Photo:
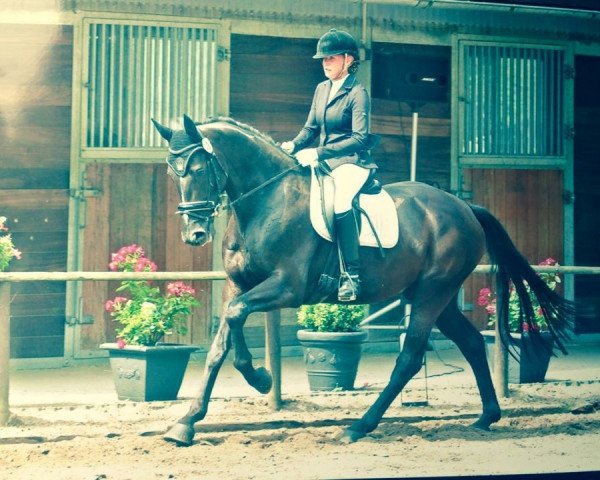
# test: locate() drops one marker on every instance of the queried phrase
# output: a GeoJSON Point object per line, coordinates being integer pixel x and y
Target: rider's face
{"type": "Point", "coordinates": [336, 66]}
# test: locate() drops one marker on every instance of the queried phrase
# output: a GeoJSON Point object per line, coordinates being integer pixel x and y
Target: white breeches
{"type": "Point", "coordinates": [348, 179]}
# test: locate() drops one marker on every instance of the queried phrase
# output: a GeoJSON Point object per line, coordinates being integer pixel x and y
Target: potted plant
{"type": "Point", "coordinates": [7, 249]}
{"type": "Point", "coordinates": [534, 356]}
{"type": "Point", "coordinates": [145, 369]}
{"type": "Point", "coordinates": [332, 343]}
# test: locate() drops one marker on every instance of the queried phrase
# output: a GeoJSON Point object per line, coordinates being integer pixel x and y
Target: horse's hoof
{"type": "Point", "coordinates": [481, 425]}
{"type": "Point", "coordinates": [263, 380]}
{"type": "Point", "coordinates": [181, 434]}
{"type": "Point", "coordinates": [484, 422]}
{"type": "Point", "coordinates": [350, 436]}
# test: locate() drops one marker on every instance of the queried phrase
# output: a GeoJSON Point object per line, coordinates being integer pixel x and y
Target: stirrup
{"type": "Point", "coordinates": [349, 288]}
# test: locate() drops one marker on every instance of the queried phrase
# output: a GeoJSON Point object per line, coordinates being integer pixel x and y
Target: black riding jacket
{"type": "Point", "coordinates": [342, 125]}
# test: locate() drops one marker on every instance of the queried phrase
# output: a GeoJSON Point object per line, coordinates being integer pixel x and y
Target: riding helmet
{"type": "Point", "coordinates": [336, 42]}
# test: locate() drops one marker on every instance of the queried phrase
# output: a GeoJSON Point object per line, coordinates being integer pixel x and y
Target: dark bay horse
{"type": "Point", "coordinates": [273, 259]}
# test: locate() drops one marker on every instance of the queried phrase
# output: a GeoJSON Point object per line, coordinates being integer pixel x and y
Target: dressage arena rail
{"type": "Point", "coordinates": [273, 356]}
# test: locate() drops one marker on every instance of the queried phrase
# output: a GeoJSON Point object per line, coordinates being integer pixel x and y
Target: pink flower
{"type": "Point", "coordinates": [132, 249]}
{"type": "Point", "coordinates": [121, 343]}
{"type": "Point", "coordinates": [111, 305]}
{"type": "Point", "coordinates": [484, 297]}
{"type": "Point", "coordinates": [177, 289]}
{"type": "Point", "coordinates": [16, 253]}
{"type": "Point", "coordinates": [549, 261]}
{"type": "Point", "coordinates": [491, 309]}
{"type": "Point", "coordinates": [144, 265]}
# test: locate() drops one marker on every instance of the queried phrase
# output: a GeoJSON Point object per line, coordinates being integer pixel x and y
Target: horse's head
{"type": "Point", "coordinates": [199, 177]}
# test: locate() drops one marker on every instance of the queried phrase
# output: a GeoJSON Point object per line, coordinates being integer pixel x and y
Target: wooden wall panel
{"type": "Point", "coordinates": [529, 204]}
{"type": "Point", "coordinates": [35, 130]}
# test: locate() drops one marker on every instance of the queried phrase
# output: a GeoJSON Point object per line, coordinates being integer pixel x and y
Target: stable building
{"type": "Point", "coordinates": [496, 101]}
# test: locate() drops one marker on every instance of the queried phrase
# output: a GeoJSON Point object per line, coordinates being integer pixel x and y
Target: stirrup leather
{"type": "Point", "coordinates": [349, 287]}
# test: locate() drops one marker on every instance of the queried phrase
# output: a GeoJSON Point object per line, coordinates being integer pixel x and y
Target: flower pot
{"type": "Point", "coordinates": [533, 359]}
{"type": "Point", "coordinates": [331, 358]}
{"type": "Point", "coordinates": [145, 374]}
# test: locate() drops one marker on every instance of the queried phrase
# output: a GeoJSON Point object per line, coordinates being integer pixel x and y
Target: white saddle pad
{"type": "Point", "coordinates": [380, 208]}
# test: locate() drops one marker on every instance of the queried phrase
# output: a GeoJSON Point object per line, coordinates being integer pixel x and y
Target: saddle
{"type": "Point", "coordinates": [374, 209]}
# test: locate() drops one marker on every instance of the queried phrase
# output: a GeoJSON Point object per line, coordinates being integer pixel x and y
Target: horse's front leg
{"type": "Point", "coordinates": [272, 294]}
{"type": "Point", "coordinates": [182, 432]}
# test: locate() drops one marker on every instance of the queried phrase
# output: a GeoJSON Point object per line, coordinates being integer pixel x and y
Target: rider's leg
{"type": "Point", "coordinates": [347, 237]}
{"type": "Point", "coordinates": [348, 179]}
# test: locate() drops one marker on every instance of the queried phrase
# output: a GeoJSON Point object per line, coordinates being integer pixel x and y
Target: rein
{"type": "Point", "coordinates": [280, 175]}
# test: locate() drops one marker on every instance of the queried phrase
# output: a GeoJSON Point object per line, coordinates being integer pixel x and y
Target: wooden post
{"type": "Point", "coordinates": [4, 350]}
{"type": "Point", "coordinates": [500, 366]}
{"type": "Point", "coordinates": [273, 356]}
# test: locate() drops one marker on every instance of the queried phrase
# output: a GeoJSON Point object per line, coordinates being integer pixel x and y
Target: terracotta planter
{"type": "Point", "coordinates": [148, 373]}
{"type": "Point", "coordinates": [331, 358]}
{"type": "Point", "coordinates": [533, 359]}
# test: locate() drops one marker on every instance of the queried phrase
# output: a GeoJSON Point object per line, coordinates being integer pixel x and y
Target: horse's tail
{"type": "Point", "coordinates": [511, 266]}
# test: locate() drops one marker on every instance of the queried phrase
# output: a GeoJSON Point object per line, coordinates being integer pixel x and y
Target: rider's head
{"type": "Point", "coordinates": [339, 53]}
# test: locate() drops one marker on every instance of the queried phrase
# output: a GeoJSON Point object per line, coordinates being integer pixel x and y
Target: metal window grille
{"type": "Point", "coordinates": [513, 101]}
{"type": "Point", "coordinates": [138, 72]}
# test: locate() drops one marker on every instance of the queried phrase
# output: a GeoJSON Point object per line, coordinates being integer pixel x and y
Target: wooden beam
{"type": "Point", "coordinates": [273, 356]}
{"type": "Point", "coordinates": [4, 351]}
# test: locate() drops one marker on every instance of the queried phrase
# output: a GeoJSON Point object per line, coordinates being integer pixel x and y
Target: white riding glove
{"type": "Point", "coordinates": [288, 147]}
{"type": "Point", "coordinates": [308, 157]}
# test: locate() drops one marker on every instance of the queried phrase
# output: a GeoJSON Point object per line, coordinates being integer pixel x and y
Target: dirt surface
{"type": "Point", "coordinates": [551, 427]}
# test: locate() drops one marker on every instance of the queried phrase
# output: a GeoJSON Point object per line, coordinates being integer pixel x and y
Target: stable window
{"type": "Point", "coordinates": [512, 101]}
{"type": "Point", "coordinates": [136, 72]}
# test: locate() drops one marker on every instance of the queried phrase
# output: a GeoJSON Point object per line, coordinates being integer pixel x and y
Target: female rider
{"type": "Point", "coordinates": [339, 115]}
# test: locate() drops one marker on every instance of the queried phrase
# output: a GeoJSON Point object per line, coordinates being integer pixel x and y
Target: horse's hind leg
{"type": "Point", "coordinates": [457, 328]}
{"type": "Point", "coordinates": [408, 363]}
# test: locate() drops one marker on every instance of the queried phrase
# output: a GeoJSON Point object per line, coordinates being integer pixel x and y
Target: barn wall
{"type": "Point", "coordinates": [587, 193]}
{"type": "Point", "coordinates": [35, 116]}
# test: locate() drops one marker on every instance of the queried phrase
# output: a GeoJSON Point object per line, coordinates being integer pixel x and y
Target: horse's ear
{"type": "Point", "coordinates": [190, 129]}
{"type": "Point", "coordinates": [165, 132]}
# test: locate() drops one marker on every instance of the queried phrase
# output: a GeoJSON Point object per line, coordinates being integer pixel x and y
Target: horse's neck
{"type": "Point", "coordinates": [250, 166]}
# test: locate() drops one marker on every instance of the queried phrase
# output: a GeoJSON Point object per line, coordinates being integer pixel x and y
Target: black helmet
{"type": "Point", "coordinates": [336, 42]}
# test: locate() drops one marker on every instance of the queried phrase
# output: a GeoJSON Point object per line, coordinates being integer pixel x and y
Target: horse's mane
{"type": "Point", "coordinates": [243, 126]}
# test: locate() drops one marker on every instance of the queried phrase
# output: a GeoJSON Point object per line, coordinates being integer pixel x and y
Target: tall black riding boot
{"type": "Point", "coordinates": [347, 237]}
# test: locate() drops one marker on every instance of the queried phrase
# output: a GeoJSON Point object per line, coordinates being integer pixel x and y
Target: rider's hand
{"type": "Point", "coordinates": [288, 147]}
{"type": "Point", "coordinates": [308, 157]}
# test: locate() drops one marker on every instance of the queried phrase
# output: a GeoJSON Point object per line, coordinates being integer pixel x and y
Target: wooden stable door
{"type": "Point", "coordinates": [134, 203]}
{"type": "Point", "coordinates": [529, 203]}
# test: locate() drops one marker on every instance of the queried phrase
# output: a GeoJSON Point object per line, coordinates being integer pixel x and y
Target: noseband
{"type": "Point", "coordinates": [217, 178]}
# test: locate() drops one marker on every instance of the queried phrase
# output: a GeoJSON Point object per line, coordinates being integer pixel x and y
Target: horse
{"type": "Point", "coordinates": [273, 259]}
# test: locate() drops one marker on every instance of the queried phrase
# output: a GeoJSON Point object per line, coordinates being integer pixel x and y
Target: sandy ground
{"type": "Point", "coordinates": [550, 427]}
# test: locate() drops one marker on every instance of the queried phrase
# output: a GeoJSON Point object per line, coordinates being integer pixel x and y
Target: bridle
{"type": "Point", "coordinates": [202, 210]}
{"type": "Point", "coordinates": [206, 209]}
